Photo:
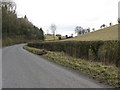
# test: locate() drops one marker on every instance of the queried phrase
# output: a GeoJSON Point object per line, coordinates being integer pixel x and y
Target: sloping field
{"type": "Point", "coordinates": [109, 33]}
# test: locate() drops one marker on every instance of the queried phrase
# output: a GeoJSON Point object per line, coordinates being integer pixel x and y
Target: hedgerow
{"type": "Point", "coordinates": [100, 51]}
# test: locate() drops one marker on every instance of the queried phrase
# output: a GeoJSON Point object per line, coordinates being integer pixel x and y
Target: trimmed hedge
{"type": "Point", "coordinates": [101, 51]}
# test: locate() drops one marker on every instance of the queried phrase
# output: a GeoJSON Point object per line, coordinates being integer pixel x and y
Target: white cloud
{"type": "Point", "coordinates": [86, 13]}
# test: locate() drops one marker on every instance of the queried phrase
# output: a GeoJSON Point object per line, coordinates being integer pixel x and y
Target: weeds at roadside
{"type": "Point", "coordinates": [103, 73]}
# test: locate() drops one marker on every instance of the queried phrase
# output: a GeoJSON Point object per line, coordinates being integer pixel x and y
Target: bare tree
{"type": "Point", "coordinates": [88, 30]}
{"type": "Point", "coordinates": [103, 25]}
{"type": "Point", "coordinates": [93, 29]}
{"type": "Point", "coordinates": [110, 24]}
{"type": "Point", "coordinates": [72, 35]}
{"type": "Point", "coordinates": [78, 30]}
{"type": "Point", "coordinates": [118, 20]}
{"type": "Point", "coordinates": [53, 29]}
{"type": "Point", "coordinates": [9, 5]}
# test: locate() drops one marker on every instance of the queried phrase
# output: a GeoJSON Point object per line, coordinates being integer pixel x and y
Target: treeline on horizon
{"type": "Point", "coordinates": [16, 30]}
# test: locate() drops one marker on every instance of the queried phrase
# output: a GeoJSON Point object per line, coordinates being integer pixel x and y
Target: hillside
{"type": "Point", "coordinates": [109, 33]}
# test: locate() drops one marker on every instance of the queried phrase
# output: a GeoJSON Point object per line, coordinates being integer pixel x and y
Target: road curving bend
{"type": "Point", "coordinates": [22, 69]}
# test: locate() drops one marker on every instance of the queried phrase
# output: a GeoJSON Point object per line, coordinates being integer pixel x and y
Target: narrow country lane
{"type": "Point", "coordinates": [22, 69]}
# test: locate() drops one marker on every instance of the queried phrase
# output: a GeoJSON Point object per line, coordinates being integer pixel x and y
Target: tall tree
{"type": "Point", "coordinates": [78, 30]}
{"type": "Point", "coordinates": [110, 24]}
{"type": "Point", "coordinates": [103, 25]}
{"type": "Point", "coordinates": [88, 29]}
{"type": "Point", "coordinates": [118, 20]}
{"type": "Point", "coordinates": [53, 28]}
{"type": "Point", "coordinates": [93, 29]}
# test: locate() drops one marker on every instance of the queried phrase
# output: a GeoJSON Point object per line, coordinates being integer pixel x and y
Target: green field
{"type": "Point", "coordinates": [109, 33]}
{"type": "Point", "coordinates": [47, 38]}
{"type": "Point", "coordinates": [50, 37]}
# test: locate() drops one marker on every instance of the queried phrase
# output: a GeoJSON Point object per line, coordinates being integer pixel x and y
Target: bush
{"type": "Point", "coordinates": [59, 38]}
{"type": "Point", "coordinates": [100, 51]}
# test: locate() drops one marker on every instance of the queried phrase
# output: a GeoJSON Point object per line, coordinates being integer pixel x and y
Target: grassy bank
{"type": "Point", "coordinates": [99, 71]}
{"type": "Point", "coordinates": [11, 41]}
{"type": "Point", "coordinates": [16, 40]}
{"type": "Point", "coordinates": [35, 50]}
{"type": "Point", "coordinates": [109, 33]}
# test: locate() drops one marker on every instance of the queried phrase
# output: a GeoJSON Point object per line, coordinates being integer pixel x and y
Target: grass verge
{"type": "Point", "coordinates": [35, 50]}
{"type": "Point", "coordinates": [12, 41]}
{"type": "Point", "coordinates": [103, 73]}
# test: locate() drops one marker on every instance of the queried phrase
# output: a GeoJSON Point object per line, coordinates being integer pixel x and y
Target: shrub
{"type": "Point", "coordinates": [101, 51]}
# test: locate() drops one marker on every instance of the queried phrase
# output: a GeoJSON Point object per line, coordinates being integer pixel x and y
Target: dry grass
{"type": "Point", "coordinates": [12, 41]}
{"type": "Point", "coordinates": [103, 73]}
{"type": "Point", "coordinates": [35, 50]}
{"type": "Point", "coordinates": [109, 33]}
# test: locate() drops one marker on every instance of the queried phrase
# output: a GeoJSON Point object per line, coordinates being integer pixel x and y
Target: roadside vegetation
{"type": "Point", "coordinates": [35, 50]}
{"type": "Point", "coordinates": [108, 74]}
{"type": "Point", "coordinates": [93, 53]}
{"type": "Point", "coordinates": [100, 51]}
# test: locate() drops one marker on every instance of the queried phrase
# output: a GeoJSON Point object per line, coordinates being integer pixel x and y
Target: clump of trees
{"type": "Point", "coordinates": [14, 27]}
{"type": "Point", "coordinates": [67, 37]}
{"type": "Point", "coordinates": [80, 31]}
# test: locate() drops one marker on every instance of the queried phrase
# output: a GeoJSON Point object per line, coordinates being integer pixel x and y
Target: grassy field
{"type": "Point", "coordinates": [109, 33]}
{"type": "Point", "coordinates": [50, 38]}
{"type": "Point", "coordinates": [47, 38]}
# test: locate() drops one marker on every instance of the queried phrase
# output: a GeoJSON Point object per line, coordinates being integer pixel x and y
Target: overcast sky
{"type": "Point", "coordinates": [67, 14]}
